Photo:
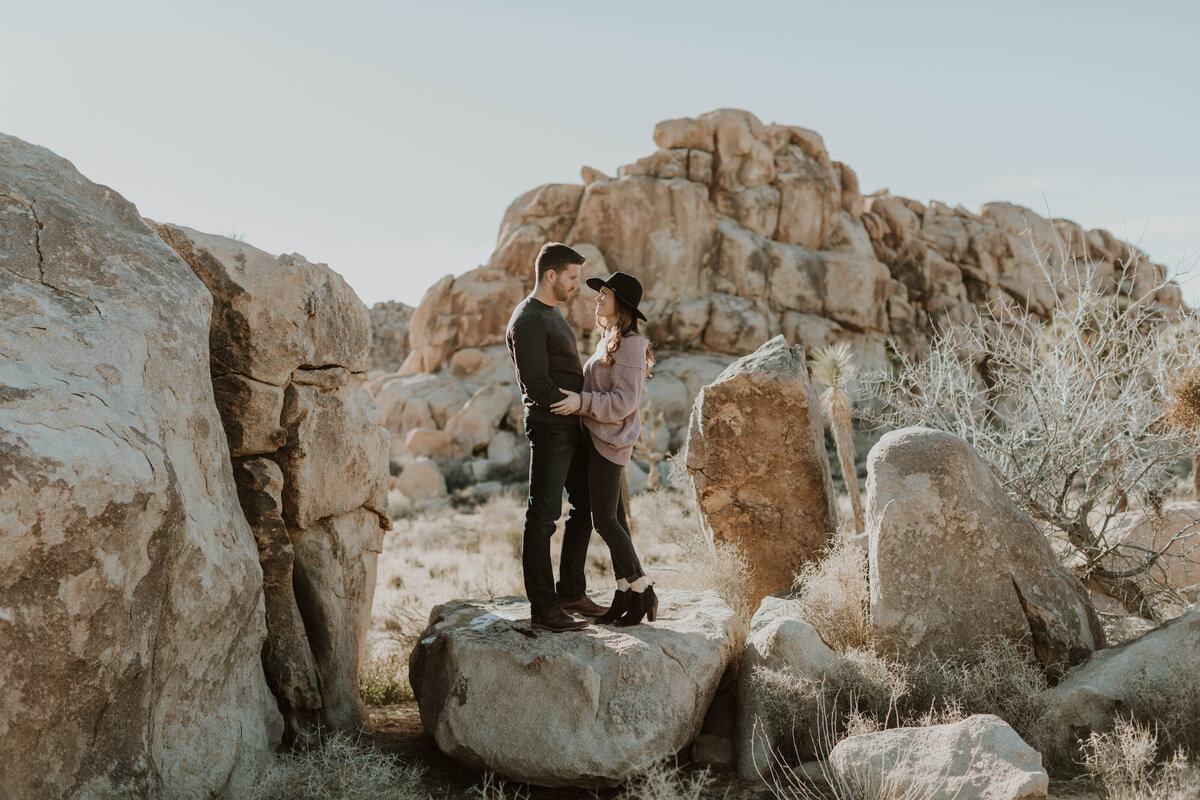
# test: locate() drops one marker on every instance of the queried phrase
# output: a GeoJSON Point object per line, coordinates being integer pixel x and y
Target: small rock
{"type": "Point", "coordinates": [979, 758]}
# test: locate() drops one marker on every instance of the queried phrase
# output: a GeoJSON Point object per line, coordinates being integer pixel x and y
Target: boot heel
{"type": "Point", "coordinates": [651, 604]}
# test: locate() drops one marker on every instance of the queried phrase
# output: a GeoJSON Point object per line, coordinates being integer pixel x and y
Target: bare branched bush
{"type": "Point", "coordinates": [340, 768]}
{"type": "Point", "coordinates": [833, 596]}
{"type": "Point", "coordinates": [1068, 411]}
{"type": "Point", "coordinates": [1123, 766]}
{"type": "Point", "coordinates": [665, 780]}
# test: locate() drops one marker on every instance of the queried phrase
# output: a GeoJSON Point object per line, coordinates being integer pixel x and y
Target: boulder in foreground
{"type": "Point", "coordinates": [131, 611]}
{"type": "Point", "coordinates": [582, 708]}
{"type": "Point", "coordinates": [979, 758]}
{"type": "Point", "coordinates": [1161, 665]}
{"type": "Point", "coordinates": [953, 560]}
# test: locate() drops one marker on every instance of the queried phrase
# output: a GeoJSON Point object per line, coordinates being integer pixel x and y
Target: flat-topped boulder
{"type": "Point", "coordinates": [582, 708]}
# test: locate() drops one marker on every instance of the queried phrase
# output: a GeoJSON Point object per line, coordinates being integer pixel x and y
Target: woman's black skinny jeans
{"type": "Point", "coordinates": [608, 513]}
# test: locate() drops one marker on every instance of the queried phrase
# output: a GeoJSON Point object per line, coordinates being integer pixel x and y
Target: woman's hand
{"type": "Point", "coordinates": [568, 405]}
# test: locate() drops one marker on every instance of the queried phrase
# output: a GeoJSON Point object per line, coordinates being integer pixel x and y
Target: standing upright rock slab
{"type": "Point", "coordinates": [979, 758]}
{"type": "Point", "coordinates": [583, 708]}
{"type": "Point", "coordinates": [757, 460]}
{"type": "Point", "coordinates": [953, 560]}
{"type": "Point", "coordinates": [1162, 663]}
{"type": "Point", "coordinates": [131, 612]}
{"type": "Point", "coordinates": [289, 352]}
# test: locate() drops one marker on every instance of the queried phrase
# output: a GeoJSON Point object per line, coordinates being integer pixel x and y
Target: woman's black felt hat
{"type": "Point", "coordinates": [625, 288]}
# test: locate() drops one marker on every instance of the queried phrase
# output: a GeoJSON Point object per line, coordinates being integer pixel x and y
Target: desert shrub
{"type": "Point", "coordinates": [1172, 708]}
{"type": "Point", "coordinates": [665, 780]}
{"type": "Point", "coordinates": [869, 692]}
{"type": "Point", "coordinates": [815, 713]}
{"type": "Point", "coordinates": [383, 680]}
{"type": "Point", "coordinates": [833, 596]}
{"type": "Point", "coordinates": [1004, 680]}
{"type": "Point", "coordinates": [496, 787]}
{"type": "Point", "coordinates": [1123, 765]}
{"type": "Point", "coordinates": [340, 768]}
{"type": "Point", "coordinates": [723, 568]}
{"type": "Point", "coordinates": [1068, 409]}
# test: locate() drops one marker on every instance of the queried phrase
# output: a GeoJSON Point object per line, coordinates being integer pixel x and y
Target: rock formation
{"type": "Point", "coordinates": [585, 708]}
{"type": "Point", "coordinates": [953, 560]}
{"type": "Point", "coordinates": [756, 457]}
{"type": "Point", "coordinates": [1089, 699]}
{"type": "Point", "coordinates": [389, 335]}
{"type": "Point", "coordinates": [310, 455]}
{"type": "Point", "coordinates": [131, 613]}
{"type": "Point", "coordinates": [979, 758]}
{"type": "Point", "coordinates": [740, 231]}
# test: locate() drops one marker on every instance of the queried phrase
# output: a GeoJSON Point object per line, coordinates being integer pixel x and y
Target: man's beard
{"type": "Point", "coordinates": [562, 293]}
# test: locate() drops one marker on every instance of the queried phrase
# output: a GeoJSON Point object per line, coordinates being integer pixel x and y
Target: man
{"type": "Point", "coordinates": [542, 346]}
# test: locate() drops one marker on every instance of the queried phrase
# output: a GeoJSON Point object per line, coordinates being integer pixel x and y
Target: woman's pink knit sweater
{"type": "Point", "coordinates": [612, 396]}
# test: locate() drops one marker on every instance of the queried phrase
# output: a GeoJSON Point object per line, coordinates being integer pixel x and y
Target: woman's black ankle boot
{"type": "Point", "coordinates": [620, 602]}
{"type": "Point", "coordinates": [641, 604]}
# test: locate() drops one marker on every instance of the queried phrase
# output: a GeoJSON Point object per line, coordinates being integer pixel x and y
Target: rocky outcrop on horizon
{"type": "Point", "coordinates": [741, 231]}
{"type": "Point", "coordinates": [131, 611]}
{"type": "Point", "coordinates": [310, 459]}
{"type": "Point", "coordinates": [390, 321]}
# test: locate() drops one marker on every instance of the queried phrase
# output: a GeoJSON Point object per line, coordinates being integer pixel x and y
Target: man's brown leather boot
{"type": "Point", "coordinates": [583, 605]}
{"type": "Point", "coordinates": [558, 620]}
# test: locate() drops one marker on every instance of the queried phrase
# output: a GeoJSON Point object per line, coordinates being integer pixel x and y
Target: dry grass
{"type": "Point", "coordinates": [1123, 766]}
{"type": "Point", "coordinates": [383, 680]}
{"type": "Point", "coordinates": [834, 598]}
{"type": "Point", "coordinates": [1172, 709]}
{"type": "Point", "coordinates": [340, 769]}
{"type": "Point", "coordinates": [496, 787]}
{"type": "Point", "coordinates": [664, 780]}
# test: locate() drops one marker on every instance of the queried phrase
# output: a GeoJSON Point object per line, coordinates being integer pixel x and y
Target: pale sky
{"type": "Point", "coordinates": [387, 138]}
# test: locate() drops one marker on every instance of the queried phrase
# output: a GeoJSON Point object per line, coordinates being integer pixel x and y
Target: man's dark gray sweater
{"type": "Point", "coordinates": [542, 346]}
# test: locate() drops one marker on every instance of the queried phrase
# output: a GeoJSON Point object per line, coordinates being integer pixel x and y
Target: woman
{"type": "Point", "coordinates": [613, 381]}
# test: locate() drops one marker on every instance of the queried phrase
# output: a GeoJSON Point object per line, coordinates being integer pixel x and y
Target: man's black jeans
{"type": "Point", "coordinates": [558, 460]}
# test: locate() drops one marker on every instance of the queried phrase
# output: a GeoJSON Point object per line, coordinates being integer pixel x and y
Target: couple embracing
{"type": "Point", "coordinates": [582, 422]}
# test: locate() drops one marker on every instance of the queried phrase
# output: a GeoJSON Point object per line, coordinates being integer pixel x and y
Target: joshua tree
{"type": "Point", "coordinates": [652, 444]}
{"type": "Point", "coordinates": [833, 365]}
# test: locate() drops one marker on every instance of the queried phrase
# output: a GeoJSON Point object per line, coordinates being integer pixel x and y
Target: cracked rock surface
{"type": "Point", "coordinates": [580, 708]}
{"type": "Point", "coordinates": [953, 560]}
{"type": "Point", "coordinates": [131, 616]}
{"type": "Point", "coordinates": [756, 456]}
{"type": "Point", "coordinates": [310, 456]}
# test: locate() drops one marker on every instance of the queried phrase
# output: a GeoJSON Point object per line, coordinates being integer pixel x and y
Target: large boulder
{"type": "Point", "coordinates": [1090, 697]}
{"type": "Point", "coordinates": [289, 370]}
{"type": "Point", "coordinates": [953, 560]}
{"type": "Point", "coordinates": [758, 465]}
{"type": "Point", "coordinates": [1174, 531]}
{"type": "Point", "coordinates": [132, 617]}
{"type": "Point", "coordinates": [583, 708]}
{"type": "Point", "coordinates": [264, 327]}
{"type": "Point", "coordinates": [979, 758]}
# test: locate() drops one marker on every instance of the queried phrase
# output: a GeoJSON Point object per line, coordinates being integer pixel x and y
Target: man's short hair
{"type": "Point", "coordinates": [555, 256]}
